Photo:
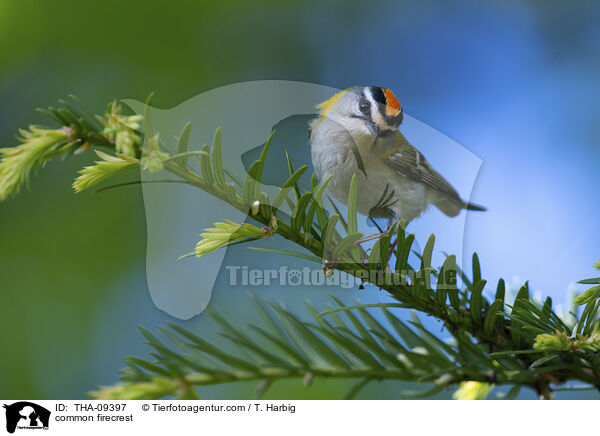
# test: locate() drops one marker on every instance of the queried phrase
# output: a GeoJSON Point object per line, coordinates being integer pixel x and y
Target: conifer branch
{"type": "Point", "coordinates": [521, 343]}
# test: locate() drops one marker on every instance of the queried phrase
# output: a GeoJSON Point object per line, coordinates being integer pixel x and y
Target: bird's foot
{"type": "Point", "coordinates": [370, 238]}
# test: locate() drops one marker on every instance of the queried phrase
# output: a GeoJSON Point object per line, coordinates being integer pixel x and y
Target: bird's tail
{"type": "Point", "coordinates": [473, 206]}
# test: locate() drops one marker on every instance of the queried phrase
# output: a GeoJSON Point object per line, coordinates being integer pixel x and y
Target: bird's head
{"type": "Point", "coordinates": [372, 109]}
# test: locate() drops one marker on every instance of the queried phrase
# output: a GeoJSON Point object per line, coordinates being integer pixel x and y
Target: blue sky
{"type": "Point", "coordinates": [515, 84]}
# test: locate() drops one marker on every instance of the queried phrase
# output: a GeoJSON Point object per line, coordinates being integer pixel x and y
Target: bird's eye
{"type": "Point", "coordinates": [365, 107]}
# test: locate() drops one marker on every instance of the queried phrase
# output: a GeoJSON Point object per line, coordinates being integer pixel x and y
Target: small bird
{"type": "Point", "coordinates": [357, 133]}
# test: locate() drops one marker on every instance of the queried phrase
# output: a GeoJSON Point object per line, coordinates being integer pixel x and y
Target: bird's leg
{"type": "Point", "coordinates": [370, 238]}
{"type": "Point", "coordinates": [388, 226]}
{"type": "Point", "coordinates": [390, 221]}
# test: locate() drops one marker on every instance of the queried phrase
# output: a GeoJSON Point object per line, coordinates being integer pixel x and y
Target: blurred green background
{"type": "Point", "coordinates": [72, 273]}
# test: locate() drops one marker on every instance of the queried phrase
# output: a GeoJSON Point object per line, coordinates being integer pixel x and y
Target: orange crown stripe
{"type": "Point", "coordinates": [392, 107]}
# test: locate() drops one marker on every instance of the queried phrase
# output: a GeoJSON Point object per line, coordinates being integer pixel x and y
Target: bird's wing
{"type": "Point", "coordinates": [409, 162]}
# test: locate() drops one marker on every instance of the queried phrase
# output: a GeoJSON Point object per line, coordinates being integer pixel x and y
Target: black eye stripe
{"type": "Point", "coordinates": [375, 94]}
{"type": "Point", "coordinates": [378, 94]}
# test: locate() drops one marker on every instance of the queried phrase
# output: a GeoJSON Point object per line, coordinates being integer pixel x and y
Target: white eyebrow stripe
{"type": "Point", "coordinates": [369, 97]}
{"type": "Point", "coordinates": [376, 116]}
{"type": "Point", "coordinates": [371, 100]}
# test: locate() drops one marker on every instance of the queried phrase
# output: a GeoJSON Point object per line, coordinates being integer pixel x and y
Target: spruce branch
{"type": "Point", "coordinates": [107, 167]}
{"type": "Point", "coordinates": [38, 146]}
{"type": "Point", "coordinates": [521, 343]}
{"type": "Point", "coordinates": [287, 348]}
